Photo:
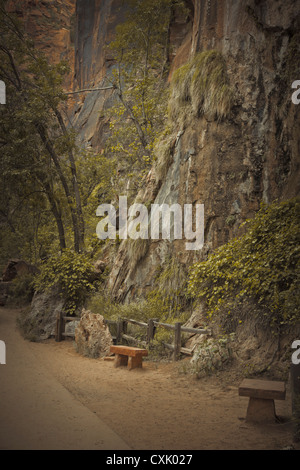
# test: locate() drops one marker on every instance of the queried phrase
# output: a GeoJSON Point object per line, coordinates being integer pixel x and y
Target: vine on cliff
{"type": "Point", "coordinates": [263, 264]}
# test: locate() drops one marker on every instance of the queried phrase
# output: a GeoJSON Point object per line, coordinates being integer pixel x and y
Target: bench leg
{"type": "Point", "coordinates": [134, 362]}
{"type": "Point", "coordinates": [261, 410]}
{"type": "Point", "coordinates": [120, 360]}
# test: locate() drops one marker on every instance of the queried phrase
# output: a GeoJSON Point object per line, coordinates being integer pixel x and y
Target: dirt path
{"type": "Point", "coordinates": [36, 410]}
{"type": "Point", "coordinates": [51, 397]}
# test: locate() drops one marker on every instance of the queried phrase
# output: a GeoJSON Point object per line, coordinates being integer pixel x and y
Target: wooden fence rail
{"type": "Point", "coordinates": [151, 326]}
{"type": "Point", "coordinates": [61, 321]}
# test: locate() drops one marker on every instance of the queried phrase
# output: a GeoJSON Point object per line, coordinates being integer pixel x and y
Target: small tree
{"type": "Point", "coordinates": [141, 52]}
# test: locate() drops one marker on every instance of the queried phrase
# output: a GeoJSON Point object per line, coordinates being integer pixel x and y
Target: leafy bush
{"type": "Point", "coordinates": [22, 288]}
{"type": "Point", "coordinates": [263, 264]}
{"type": "Point", "coordinates": [73, 272]}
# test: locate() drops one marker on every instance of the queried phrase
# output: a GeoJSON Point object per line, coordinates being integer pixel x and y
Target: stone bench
{"type": "Point", "coordinates": [262, 393]}
{"type": "Point", "coordinates": [128, 356]}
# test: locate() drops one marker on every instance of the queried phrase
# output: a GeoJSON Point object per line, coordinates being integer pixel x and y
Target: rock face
{"type": "Point", "coordinates": [51, 25]}
{"type": "Point", "coordinates": [92, 336]}
{"type": "Point", "coordinates": [16, 267]}
{"type": "Point", "coordinates": [39, 323]}
{"type": "Point", "coordinates": [230, 166]}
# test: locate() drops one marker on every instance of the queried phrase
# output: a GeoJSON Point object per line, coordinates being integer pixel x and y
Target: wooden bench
{"type": "Point", "coordinates": [128, 356]}
{"type": "Point", "coordinates": [262, 393]}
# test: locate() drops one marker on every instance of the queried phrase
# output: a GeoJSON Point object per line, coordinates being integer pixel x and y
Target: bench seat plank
{"type": "Point", "coordinates": [128, 351]}
{"type": "Point", "coordinates": [265, 389]}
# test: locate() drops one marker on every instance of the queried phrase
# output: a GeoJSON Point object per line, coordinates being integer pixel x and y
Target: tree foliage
{"type": "Point", "coordinates": [73, 273]}
{"type": "Point", "coordinates": [37, 150]}
{"type": "Point", "coordinates": [49, 186]}
{"type": "Point", "coordinates": [141, 52]}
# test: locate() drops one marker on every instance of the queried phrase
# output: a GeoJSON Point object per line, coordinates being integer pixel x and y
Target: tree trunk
{"type": "Point", "coordinates": [135, 121]}
{"type": "Point", "coordinates": [49, 147]}
{"type": "Point", "coordinates": [80, 218]}
{"type": "Point", "coordinates": [56, 212]}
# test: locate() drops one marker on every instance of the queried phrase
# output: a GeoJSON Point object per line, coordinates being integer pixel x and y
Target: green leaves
{"type": "Point", "coordinates": [73, 273]}
{"type": "Point", "coordinates": [141, 51]}
{"type": "Point", "coordinates": [36, 147]}
{"type": "Point", "coordinates": [263, 264]}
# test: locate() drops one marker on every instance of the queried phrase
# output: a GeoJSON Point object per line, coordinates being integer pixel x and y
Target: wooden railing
{"type": "Point", "coordinates": [61, 321]}
{"type": "Point", "coordinates": [121, 334]}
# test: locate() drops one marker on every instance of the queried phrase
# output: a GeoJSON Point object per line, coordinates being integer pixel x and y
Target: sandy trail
{"type": "Point", "coordinates": [36, 410]}
{"type": "Point", "coordinates": [53, 398]}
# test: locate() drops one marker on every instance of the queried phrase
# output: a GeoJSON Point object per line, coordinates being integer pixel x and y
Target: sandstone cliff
{"type": "Point", "coordinates": [51, 25]}
{"type": "Point", "coordinates": [229, 165]}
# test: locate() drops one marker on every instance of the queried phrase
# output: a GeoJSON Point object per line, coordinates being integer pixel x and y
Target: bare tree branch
{"type": "Point", "coordinates": [88, 89]}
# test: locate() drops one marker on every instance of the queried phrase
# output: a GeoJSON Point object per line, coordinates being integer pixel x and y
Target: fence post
{"type": "Point", "coordinates": [150, 330]}
{"type": "Point", "coordinates": [121, 328]}
{"type": "Point", "coordinates": [295, 386]}
{"type": "Point", "coordinates": [60, 327]}
{"type": "Point", "coordinates": [124, 327]}
{"type": "Point", "coordinates": [177, 341]}
{"type": "Point", "coordinates": [119, 331]}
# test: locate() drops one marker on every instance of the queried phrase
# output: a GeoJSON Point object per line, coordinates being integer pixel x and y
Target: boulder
{"type": "Point", "coordinates": [92, 336]}
{"type": "Point", "coordinates": [39, 322]}
{"type": "Point", "coordinates": [17, 267]}
{"type": "Point", "coordinates": [100, 266]}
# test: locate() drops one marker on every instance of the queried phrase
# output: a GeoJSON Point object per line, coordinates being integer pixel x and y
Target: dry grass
{"type": "Point", "coordinates": [201, 87]}
{"type": "Point", "coordinates": [136, 250]}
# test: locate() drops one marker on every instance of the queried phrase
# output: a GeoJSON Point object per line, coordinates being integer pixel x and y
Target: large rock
{"type": "Point", "coordinates": [92, 336]}
{"type": "Point", "coordinates": [17, 267]}
{"type": "Point", "coordinates": [39, 323]}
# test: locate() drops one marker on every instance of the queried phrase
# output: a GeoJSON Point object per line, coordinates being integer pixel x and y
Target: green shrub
{"type": "Point", "coordinates": [100, 302]}
{"type": "Point", "coordinates": [22, 289]}
{"type": "Point", "coordinates": [74, 274]}
{"type": "Point", "coordinates": [157, 348]}
{"type": "Point", "coordinates": [263, 264]}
